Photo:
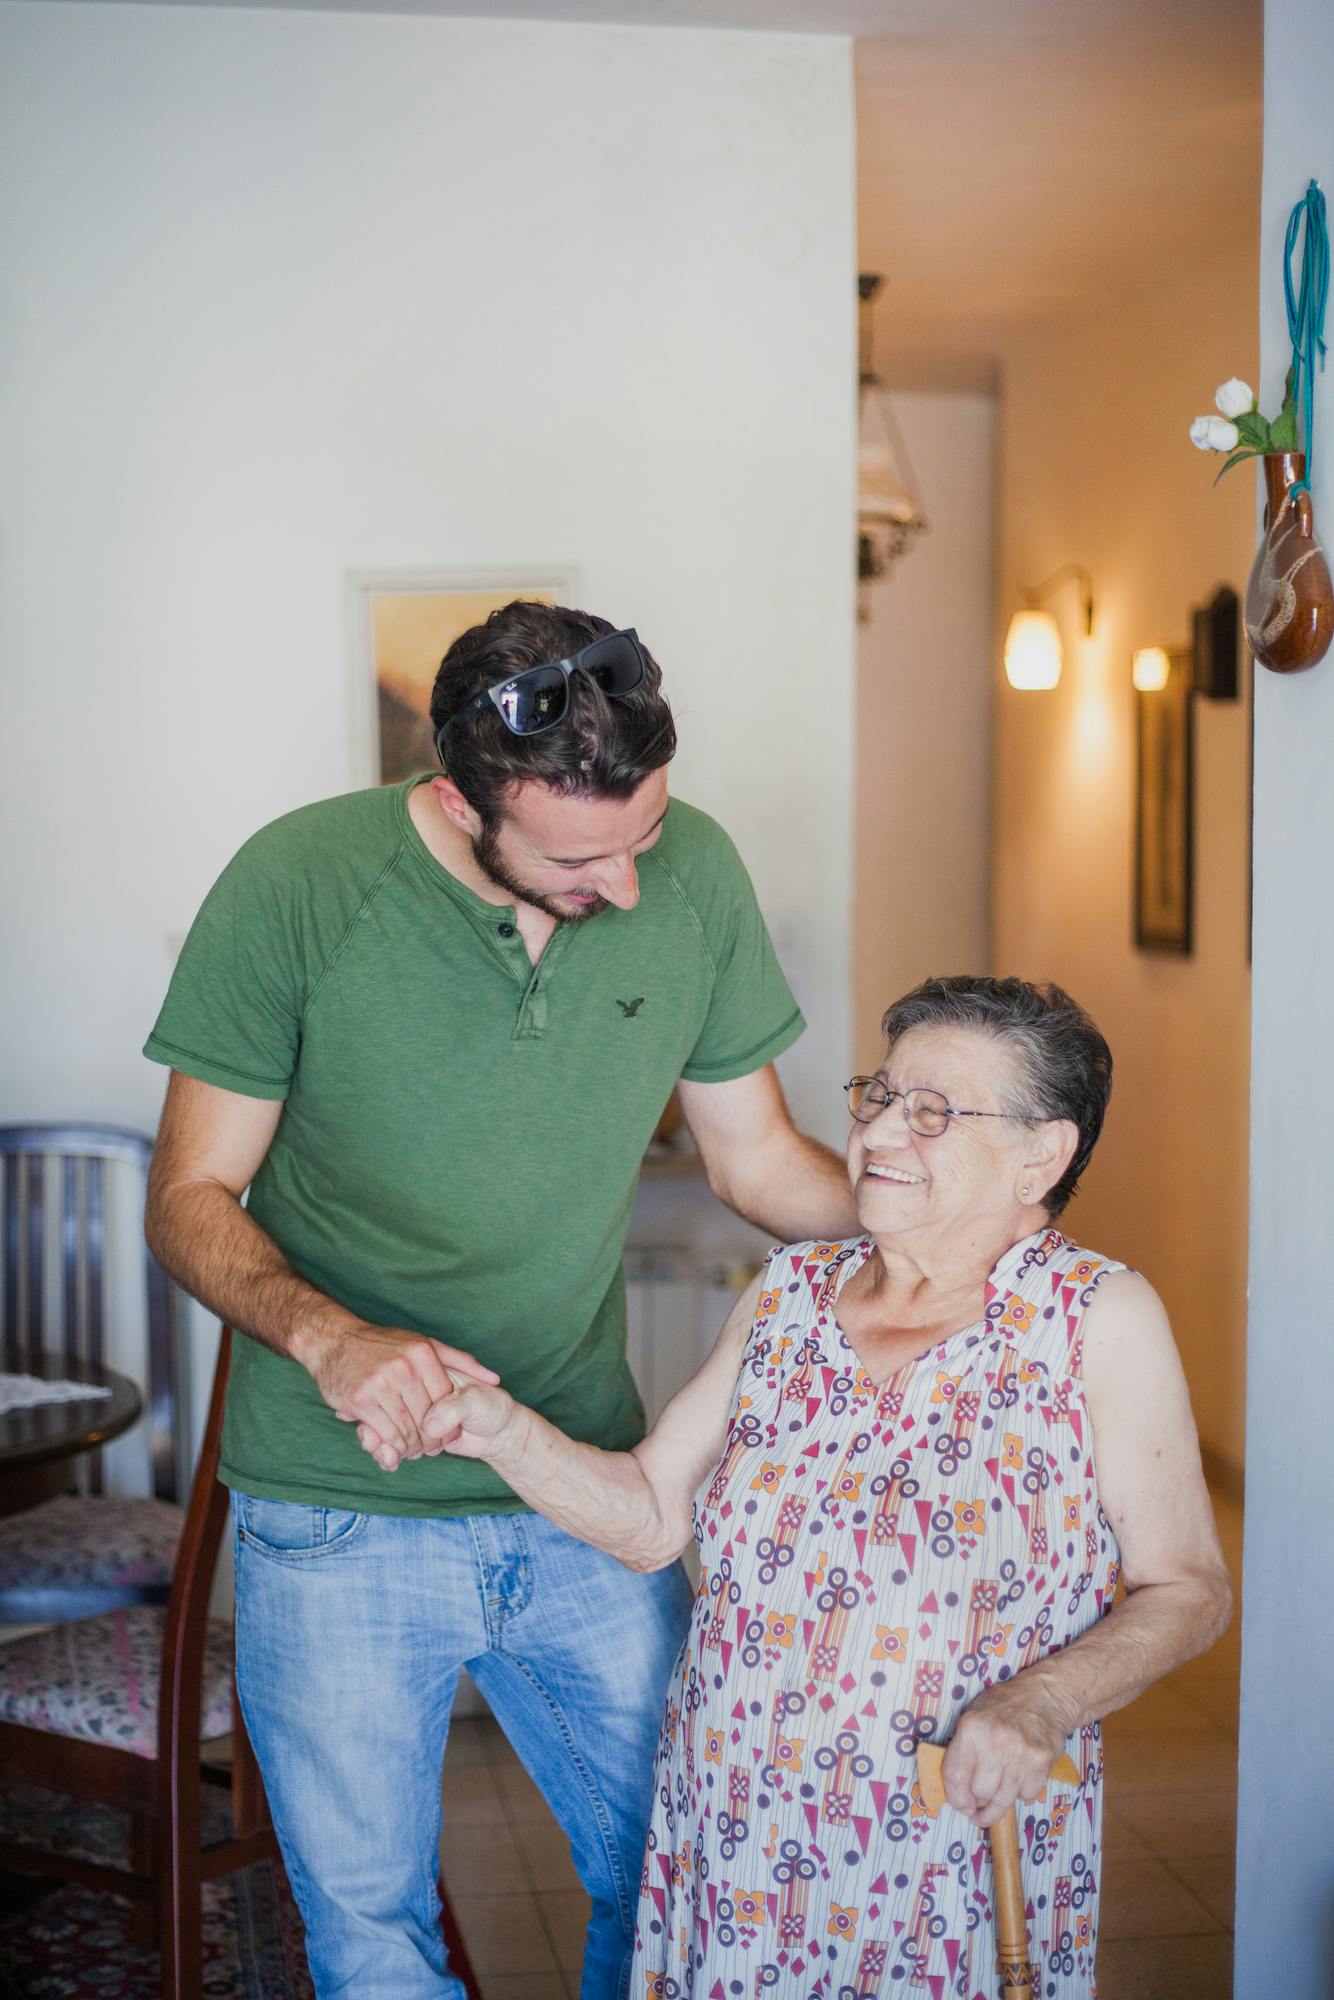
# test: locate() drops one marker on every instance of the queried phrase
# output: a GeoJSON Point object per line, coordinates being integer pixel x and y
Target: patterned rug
{"type": "Point", "coordinates": [75, 1944]}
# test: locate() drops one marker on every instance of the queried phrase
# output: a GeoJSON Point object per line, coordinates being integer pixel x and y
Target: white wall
{"type": "Point", "coordinates": [1285, 1857]}
{"type": "Point", "coordinates": [301, 292]}
{"type": "Point", "coordinates": [922, 834]}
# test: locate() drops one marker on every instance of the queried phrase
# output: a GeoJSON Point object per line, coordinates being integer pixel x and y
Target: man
{"type": "Point", "coordinates": [432, 1028]}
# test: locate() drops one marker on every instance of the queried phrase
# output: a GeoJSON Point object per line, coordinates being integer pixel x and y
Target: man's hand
{"type": "Point", "coordinates": [471, 1420]}
{"type": "Point", "coordinates": [1003, 1748]}
{"type": "Point", "coordinates": [386, 1378]}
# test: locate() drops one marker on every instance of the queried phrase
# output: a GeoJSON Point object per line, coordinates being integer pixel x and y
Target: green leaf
{"type": "Point", "coordinates": [1290, 388]}
{"type": "Point", "coordinates": [1253, 430]}
{"type": "Point", "coordinates": [1283, 430]}
{"type": "Point", "coordinates": [1235, 459]}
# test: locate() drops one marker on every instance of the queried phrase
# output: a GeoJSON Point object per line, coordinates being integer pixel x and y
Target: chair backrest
{"type": "Point", "coordinates": [55, 1219]}
{"type": "Point", "coordinates": [184, 1639]}
{"type": "Point", "coordinates": [192, 1575]}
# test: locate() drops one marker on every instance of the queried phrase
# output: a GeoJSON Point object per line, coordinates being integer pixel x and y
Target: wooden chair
{"type": "Point", "coordinates": [114, 1709]}
{"type": "Point", "coordinates": [77, 1554]}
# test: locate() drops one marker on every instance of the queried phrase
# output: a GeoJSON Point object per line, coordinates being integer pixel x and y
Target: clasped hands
{"type": "Point", "coordinates": [466, 1422]}
{"type": "Point", "coordinates": [410, 1396]}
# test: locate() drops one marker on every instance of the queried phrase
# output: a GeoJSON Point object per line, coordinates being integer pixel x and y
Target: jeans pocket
{"type": "Point", "coordinates": [291, 1531]}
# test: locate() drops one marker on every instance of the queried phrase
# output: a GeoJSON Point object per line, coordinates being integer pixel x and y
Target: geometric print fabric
{"type": "Point", "coordinates": [873, 1556]}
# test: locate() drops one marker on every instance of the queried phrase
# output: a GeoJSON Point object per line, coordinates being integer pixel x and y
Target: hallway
{"type": "Point", "coordinates": [1170, 1823]}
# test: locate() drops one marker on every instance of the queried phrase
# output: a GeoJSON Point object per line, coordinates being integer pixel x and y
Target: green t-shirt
{"type": "Point", "coordinates": [461, 1132]}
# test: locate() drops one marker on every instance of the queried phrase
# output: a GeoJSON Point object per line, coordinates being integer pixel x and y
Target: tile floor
{"type": "Point", "coordinates": [1170, 1814]}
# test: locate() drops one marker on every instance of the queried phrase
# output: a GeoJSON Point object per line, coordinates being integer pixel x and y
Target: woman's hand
{"type": "Point", "coordinates": [460, 1423]}
{"type": "Point", "coordinates": [1003, 1748]}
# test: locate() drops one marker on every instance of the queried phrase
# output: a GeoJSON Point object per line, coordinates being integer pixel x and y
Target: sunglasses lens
{"type": "Point", "coordinates": [615, 663]}
{"type": "Point", "coordinates": [532, 700]}
{"type": "Point", "coordinates": [538, 698]}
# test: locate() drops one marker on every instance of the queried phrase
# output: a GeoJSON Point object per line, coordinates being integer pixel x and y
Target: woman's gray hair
{"type": "Point", "coordinates": [1065, 1066]}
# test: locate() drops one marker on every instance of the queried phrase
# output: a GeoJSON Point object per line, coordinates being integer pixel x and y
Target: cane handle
{"type": "Point", "coordinates": [931, 1779]}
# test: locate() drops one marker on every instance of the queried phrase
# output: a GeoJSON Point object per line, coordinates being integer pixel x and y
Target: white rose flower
{"type": "Point", "coordinates": [1236, 398]}
{"type": "Point", "coordinates": [1214, 434]}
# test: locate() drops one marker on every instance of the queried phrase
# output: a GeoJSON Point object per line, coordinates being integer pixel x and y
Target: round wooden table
{"type": "Point", "coordinates": [33, 1441]}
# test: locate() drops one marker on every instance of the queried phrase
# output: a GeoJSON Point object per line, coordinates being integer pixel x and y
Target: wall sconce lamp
{"type": "Point", "coordinates": [1150, 668]}
{"type": "Point", "coordinates": [1033, 654]}
{"type": "Point", "coordinates": [1210, 660]}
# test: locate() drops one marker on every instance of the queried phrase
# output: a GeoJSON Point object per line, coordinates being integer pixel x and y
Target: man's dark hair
{"type": "Point", "coordinates": [1065, 1066]}
{"type": "Point", "coordinates": [603, 747]}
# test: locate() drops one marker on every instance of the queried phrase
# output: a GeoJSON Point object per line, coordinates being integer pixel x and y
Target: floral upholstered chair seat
{"type": "Point", "coordinates": [98, 1679]}
{"type": "Point", "coordinates": [99, 1551]}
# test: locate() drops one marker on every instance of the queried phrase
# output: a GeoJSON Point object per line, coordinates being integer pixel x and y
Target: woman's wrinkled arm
{"type": "Point", "coordinates": [1178, 1593]}
{"type": "Point", "coordinates": [634, 1504]}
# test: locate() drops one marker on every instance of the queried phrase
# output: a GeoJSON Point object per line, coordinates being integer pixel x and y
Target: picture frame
{"type": "Point", "coordinates": [1164, 888]}
{"type": "Point", "coordinates": [401, 624]}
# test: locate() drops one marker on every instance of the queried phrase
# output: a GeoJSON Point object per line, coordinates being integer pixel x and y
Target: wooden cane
{"type": "Point", "coordinates": [1003, 1838]}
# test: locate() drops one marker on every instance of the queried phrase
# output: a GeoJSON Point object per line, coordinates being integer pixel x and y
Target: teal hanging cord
{"type": "Point", "coordinates": [1306, 311]}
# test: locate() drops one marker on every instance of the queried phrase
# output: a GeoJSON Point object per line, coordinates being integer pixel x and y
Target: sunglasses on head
{"type": "Point", "coordinates": [539, 697]}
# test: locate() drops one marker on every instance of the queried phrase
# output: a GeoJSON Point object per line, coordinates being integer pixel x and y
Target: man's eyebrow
{"type": "Point", "coordinates": [577, 860]}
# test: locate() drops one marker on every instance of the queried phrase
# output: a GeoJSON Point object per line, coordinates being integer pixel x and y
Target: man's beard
{"type": "Point", "coordinates": [486, 853]}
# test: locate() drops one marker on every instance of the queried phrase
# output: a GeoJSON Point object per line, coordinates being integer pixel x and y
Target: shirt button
{"type": "Point", "coordinates": [506, 930]}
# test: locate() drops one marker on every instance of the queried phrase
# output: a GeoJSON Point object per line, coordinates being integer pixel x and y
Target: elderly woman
{"type": "Point", "coordinates": [917, 1464]}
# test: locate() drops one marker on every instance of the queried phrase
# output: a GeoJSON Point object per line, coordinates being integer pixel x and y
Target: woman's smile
{"type": "Point", "coordinates": [886, 1173]}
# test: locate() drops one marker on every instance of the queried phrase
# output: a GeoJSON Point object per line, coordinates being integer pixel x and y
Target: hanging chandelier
{"type": "Point", "coordinates": [889, 506]}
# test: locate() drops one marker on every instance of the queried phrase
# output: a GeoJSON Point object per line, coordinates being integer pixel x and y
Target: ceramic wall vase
{"type": "Point", "coordinates": [1289, 610]}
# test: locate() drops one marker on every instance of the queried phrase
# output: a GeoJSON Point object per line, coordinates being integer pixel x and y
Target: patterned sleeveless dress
{"type": "Point", "coordinates": [873, 1558]}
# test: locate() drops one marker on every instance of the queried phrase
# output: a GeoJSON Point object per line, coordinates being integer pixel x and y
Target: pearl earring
{"type": "Point", "coordinates": [1023, 1194]}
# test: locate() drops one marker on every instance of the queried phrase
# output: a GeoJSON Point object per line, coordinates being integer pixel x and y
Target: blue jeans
{"type": "Point", "coordinates": [350, 1633]}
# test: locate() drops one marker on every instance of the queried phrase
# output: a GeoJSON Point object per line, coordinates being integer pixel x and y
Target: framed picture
{"type": "Point", "coordinates": [403, 622]}
{"type": "Point", "coordinates": [1164, 811]}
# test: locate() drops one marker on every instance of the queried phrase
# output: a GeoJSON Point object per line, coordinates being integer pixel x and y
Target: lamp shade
{"type": "Point", "coordinates": [1033, 650]}
{"type": "Point", "coordinates": [1149, 669]}
{"type": "Point", "coordinates": [882, 492]}
{"type": "Point", "coordinates": [889, 513]}
{"type": "Point", "coordinates": [889, 508]}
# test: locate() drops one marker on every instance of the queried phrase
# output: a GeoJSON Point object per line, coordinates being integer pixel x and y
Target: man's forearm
{"type": "Point", "coordinates": [210, 1146]}
{"type": "Point", "coordinates": [200, 1233]}
{"type": "Point", "coordinates": [794, 1189]}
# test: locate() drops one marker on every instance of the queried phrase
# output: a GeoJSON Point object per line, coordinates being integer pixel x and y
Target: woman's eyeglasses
{"type": "Point", "coordinates": [539, 697]}
{"type": "Point", "coordinates": [926, 1112]}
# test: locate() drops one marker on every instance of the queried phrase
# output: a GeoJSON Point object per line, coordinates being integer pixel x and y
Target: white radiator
{"type": "Point", "coordinates": [675, 1305]}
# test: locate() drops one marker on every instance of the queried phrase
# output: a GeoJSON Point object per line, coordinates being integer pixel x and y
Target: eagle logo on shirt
{"type": "Point", "coordinates": [630, 1007]}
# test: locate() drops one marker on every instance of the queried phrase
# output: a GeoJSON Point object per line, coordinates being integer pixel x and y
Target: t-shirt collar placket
{"type": "Point", "coordinates": [530, 1022]}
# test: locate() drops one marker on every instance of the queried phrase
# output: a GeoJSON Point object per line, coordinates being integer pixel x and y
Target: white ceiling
{"type": "Point", "coordinates": [1017, 158]}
